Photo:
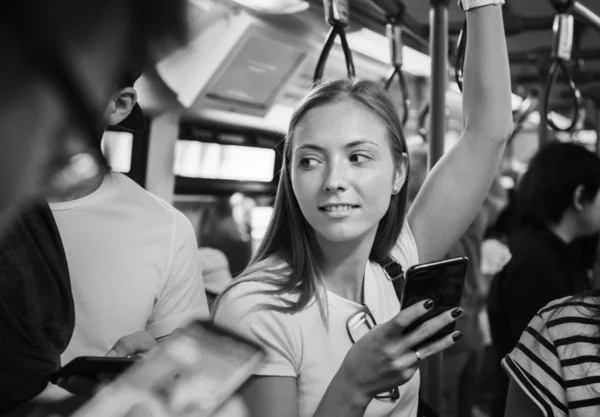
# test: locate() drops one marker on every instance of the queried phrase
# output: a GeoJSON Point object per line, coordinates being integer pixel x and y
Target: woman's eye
{"type": "Point", "coordinates": [359, 158]}
{"type": "Point", "coordinates": [308, 162]}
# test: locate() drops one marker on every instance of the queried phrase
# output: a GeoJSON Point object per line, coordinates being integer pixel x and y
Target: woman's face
{"type": "Point", "coordinates": [342, 170]}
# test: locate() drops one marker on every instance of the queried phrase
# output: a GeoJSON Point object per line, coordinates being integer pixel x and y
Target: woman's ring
{"type": "Point", "coordinates": [418, 356]}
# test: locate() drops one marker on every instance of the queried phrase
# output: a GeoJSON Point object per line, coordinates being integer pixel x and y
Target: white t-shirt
{"type": "Point", "coordinates": [133, 262]}
{"type": "Point", "coordinates": [299, 345]}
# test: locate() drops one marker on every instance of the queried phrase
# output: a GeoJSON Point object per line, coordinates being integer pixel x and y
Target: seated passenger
{"type": "Point", "coordinates": [132, 257]}
{"type": "Point", "coordinates": [554, 368]}
{"type": "Point", "coordinates": [557, 202]}
{"type": "Point", "coordinates": [215, 272]}
{"type": "Point", "coordinates": [339, 213]}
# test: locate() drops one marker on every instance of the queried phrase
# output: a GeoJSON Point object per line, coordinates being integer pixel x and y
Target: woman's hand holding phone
{"type": "Point", "coordinates": [385, 357]}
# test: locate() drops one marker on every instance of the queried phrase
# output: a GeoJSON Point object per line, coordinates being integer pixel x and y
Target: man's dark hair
{"type": "Point", "coordinates": [154, 24]}
{"type": "Point", "coordinates": [546, 190]}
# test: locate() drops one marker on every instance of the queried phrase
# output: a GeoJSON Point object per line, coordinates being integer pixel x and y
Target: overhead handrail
{"type": "Point", "coordinates": [579, 11]}
{"type": "Point", "coordinates": [563, 31]}
{"type": "Point", "coordinates": [337, 17]}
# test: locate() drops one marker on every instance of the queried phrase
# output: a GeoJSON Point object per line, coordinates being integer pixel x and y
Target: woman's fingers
{"type": "Point", "coordinates": [435, 347]}
{"type": "Point", "coordinates": [409, 315]}
{"type": "Point", "coordinates": [431, 327]}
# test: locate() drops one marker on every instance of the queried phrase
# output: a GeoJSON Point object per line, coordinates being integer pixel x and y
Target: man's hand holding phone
{"type": "Point", "coordinates": [87, 384]}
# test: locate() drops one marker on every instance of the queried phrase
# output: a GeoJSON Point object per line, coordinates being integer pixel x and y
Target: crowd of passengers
{"type": "Point", "coordinates": [91, 264]}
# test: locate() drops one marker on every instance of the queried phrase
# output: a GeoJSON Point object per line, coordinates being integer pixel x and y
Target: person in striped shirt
{"type": "Point", "coordinates": [555, 368]}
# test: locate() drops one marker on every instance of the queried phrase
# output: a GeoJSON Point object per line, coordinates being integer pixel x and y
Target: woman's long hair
{"type": "Point", "coordinates": [287, 257]}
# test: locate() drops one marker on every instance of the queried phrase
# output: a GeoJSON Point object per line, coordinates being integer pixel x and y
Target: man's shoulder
{"type": "Point", "coordinates": [136, 195]}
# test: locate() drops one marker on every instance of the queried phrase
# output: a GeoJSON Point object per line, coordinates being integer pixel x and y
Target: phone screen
{"type": "Point", "coordinates": [193, 372]}
{"type": "Point", "coordinates": [440, 281]}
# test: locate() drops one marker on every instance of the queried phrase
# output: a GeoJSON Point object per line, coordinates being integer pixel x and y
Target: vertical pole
{"type": "Point", "coordinates": [596, 106]}
{"type": "Point", "coordinates": [438, 44]}
{"type": "Point", "coordinates": [431, 369]}
{"type": "Point", "coordinates": [164, 131]}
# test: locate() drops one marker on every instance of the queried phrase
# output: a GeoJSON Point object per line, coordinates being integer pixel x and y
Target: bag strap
{"type": "Point", "coordinates": [395, 273]}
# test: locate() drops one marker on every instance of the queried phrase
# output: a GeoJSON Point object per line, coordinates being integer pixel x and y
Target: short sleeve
{"type": "Point", "coordinates": [534, 364]}
{"type": "Point", "coordinates": [182, 298]}
{"type": "Point", "coordinates": [242, 311]}
{"type": "Point", "coordinates": [405, 250]}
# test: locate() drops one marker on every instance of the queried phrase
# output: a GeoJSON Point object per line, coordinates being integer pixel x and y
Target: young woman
{"type": "Point", "coordinates": [339, 212]}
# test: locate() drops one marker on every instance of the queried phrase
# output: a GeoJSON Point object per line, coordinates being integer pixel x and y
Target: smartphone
{"type": "Point", "coordinates": [440, 281]}
{"type": "Point", "coordinates": [93, 365]}
{"type": "Point", "coordinates": [193, 373]}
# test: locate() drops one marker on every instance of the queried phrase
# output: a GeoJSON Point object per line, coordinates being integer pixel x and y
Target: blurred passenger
{"type": "Point", "coordinates": [219, 230]}
{"type": "Point", "coordinates": [59, 60]}
{"type": "Point", "coordinates": [554, 368]}
{"type": "Point", "coordinates": [557, 202]}
{"type": "Point", "coordinates": [215, 271]}
{"type": "Point", "coordinates": [316, 286]}
{"type": "Point", "coordinates": [132, 257]}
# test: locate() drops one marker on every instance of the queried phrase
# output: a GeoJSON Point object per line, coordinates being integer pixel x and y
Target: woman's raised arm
{"type": "Point", "coordinates": [457, 186]}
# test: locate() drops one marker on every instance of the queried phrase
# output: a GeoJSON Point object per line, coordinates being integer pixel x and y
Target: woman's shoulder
{"type": "Point", "coordinates": [579, 305]}
{"type": "Point", "coordinates": [564, 327]}
{"type": "Point", "coordinates": [256, 290]}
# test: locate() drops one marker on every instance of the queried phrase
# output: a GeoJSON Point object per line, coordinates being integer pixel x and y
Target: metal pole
{"type": "Point", "coordinates": [596, 106]}
{"type": "Point", "coordinates": [543, 131]}
{"type": "Point", "coordinates": [438, 38]}
{"type": "Point", "coordinates": [432, 368]}
{"type": "Point", "coordinates": [586, 16]}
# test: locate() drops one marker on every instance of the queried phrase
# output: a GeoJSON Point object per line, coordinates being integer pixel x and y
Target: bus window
{"type": "Point", "coordinates": [224, 162]}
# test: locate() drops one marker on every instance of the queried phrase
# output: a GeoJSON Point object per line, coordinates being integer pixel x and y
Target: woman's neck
{"type": "Point", "coordinates": [343, 266]}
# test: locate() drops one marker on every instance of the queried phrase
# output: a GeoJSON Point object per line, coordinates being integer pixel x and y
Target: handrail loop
{"type": "Point", "coordinates": [394, 34]}
{"type": "Point", "coordinates": [527, 106]}
{"type": "Point", "coordinates": [337, 17]}
{"type": "Point", "coordinates": [563, 29]}
{"type": "Point", "coordinates": [460, 56]}
{"type": "Point", "coordinates": [422, 121]}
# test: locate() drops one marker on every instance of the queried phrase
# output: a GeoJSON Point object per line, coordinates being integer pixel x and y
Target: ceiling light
{"type": "Point", "coordinates": [274, 6]}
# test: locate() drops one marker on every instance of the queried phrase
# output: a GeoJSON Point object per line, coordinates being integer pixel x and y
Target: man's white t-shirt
{"type": "Point", "coordinates": [133, 262]}
{"type": "Point", "coordinates": [299, 345]}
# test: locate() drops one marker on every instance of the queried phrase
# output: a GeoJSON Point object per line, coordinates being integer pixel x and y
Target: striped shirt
{"type": "Point", "coordinates": [557, 360]}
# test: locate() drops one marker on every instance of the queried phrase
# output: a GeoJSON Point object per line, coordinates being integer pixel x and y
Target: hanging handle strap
{"type": "Point", "coordinates": [337, 17]}
{"type": "Point", "coordinates": [563, 30]}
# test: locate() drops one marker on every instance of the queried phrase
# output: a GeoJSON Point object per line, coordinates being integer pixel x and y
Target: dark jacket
{"type": "Point", "coordinates": [36, 305]}
{"type": "Point", "coordinates": [542, 268]}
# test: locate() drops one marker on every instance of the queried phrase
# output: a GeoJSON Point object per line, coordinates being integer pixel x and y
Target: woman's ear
{"type": "Point", "coordinates": [400, 174]}
{"type": "Point", "coordinates": [121, 105]}
{"type": "Point", "coordinates": [578, 201]}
